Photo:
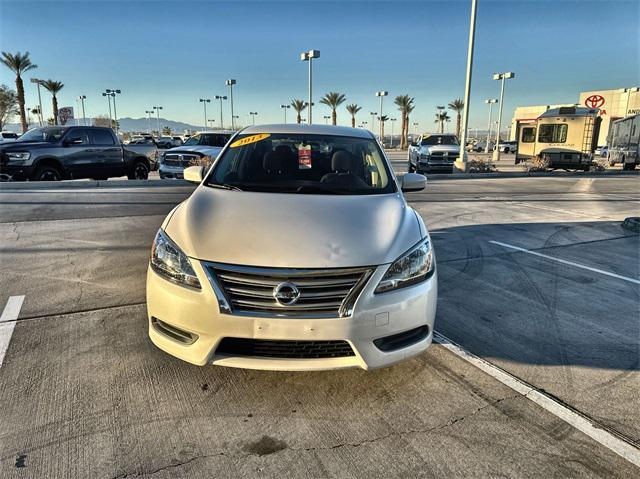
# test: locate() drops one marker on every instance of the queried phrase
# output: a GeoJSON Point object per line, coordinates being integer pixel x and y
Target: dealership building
{"type": "Point", "coordinates": [613, 105]}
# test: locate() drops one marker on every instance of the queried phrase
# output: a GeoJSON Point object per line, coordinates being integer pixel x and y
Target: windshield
{"type": "Point", "coordinates": [208, 140]}
{"type": "Point", "coordinates": [296, 163]}
{"type": "Point", "coordinates": [48, 134]}
{"type": "Point", "coordinates": [440, 140]}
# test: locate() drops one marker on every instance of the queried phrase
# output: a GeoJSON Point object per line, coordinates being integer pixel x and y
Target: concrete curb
{"type": "Point", "coordinates": [524, 174]}
{"type": "Point", "coordinates": [55, 185]}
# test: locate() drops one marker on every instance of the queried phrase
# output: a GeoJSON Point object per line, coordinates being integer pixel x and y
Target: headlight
{"type": "Point", "coordinates": [18, 155]}
{"type": "Point", "coordinates": [170, 262]}
{"type": "Point", "coordinates": [414, 266]}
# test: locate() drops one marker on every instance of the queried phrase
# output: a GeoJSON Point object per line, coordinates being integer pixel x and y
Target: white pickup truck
{"type": "Point", "coordinates": [205, 144]}
{"type": "Point", "coordinates": [433, 153]}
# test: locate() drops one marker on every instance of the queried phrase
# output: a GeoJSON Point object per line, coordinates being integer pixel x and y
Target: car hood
{"type": "Point", "coordinates": [293, 230]}
{"type": "Point", "coordinates": [204, 149]}
{"type": "Point", "coordinates": [448, 148]}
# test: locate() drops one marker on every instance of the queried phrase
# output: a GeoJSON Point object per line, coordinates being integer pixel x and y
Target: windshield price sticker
{"type": "Point", "coordinates": [304, 157]}
{"type": "Point", "coordinates": [249, 139]}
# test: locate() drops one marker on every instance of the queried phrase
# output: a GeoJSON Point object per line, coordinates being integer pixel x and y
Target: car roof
{"type": "Point", "coordinates": [294, 128]}
{"type": "Point", "coordinates": [216, 132]}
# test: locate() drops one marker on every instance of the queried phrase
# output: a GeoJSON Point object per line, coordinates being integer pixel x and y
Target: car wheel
{"type": "Point", "coordinates": [139, 171]}
{"type": "Point", "coordinates": [47, 173]}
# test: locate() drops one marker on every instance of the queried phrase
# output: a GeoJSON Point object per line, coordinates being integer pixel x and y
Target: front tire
{"type": "Point", "coordinates": [139, 171]}
{"type": "Point", "coordinates": [47, 173]}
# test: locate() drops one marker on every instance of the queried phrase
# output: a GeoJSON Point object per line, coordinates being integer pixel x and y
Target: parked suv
{"type": "Point", "coordinates": [69, 152]}
{"type": "Point", "coordinates": [433, 153]}
{"type": "Point", "coordinates": [297, 251]}
{"type": "Point", "coordinates": [192, 152]}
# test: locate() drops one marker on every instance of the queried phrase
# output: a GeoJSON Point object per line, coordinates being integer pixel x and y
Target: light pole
{"type": "Point", "coordinates": [326, 119]}
{"type": "Point", "coordinates": [308, 57]}
{"type": "Point", "coordinates": [490, 102]}
{"type": "Point", "coordinates": [82, 98]}
{"type": "Point", "coordinates": [363, 124]}
{"type": "Point", "coordinates": [628, 91]}
{"type": "Point", "coordinates": [149, 113]}
{"type": "Point", "coordinates": [212, 122]}
{"type": "Point", "coordinates": [416, 125]}
{"type": "Point", "coordinates": [38, 82]}
{"type": "Point", "coordinates": [109, 101]}
{"type": "Point", "coordinates": [235, 117]}
{"type": "Point", "coordinates": [230, 84]}
{"type": "Point", "coordinates": [157, 109]}
{"type": "Point", "coordinates": [221, 97]}
{"type": "Point", "coordinates": [373, 120]}
{"type": "Point", "coordinates": [204, 102]}
{"type": "Point", "coordinates": [253, 117]}
{"type": "Point", "coordinates": [113, 93]}
{"type": "Point", "coordinates": [381, 94]}
{"type": "Point", "coordinates": [461, 162]}
{"type": "Point", "coordinates": [392, 120]}
{"type": "Point", "coordinates": [285, 108]}
{"type": "Point", "coordinates": [501, 77]}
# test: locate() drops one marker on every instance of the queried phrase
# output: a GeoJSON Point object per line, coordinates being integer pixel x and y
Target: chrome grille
{"type": "Point", "coordinates": [439, 155]}
{"type": "Point", "coordinates": [322, 293]}
{"type": "Point", "coordinates": [179, 159]}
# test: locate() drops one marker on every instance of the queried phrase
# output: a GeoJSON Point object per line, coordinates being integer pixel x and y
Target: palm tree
{"type": "Point", "coordinates": [19, 63]}
{"type": "Point", "coordinates": [458, 107]}
{"type": "Point", "coordinates": [382, 119]}
{"type": "Point", "coordinates": [441, 117]}
{"type": "Point", "coordinates": [54, 88]}
{"type": "Point", "coordinates": [298, 106]}
{"type": "Point", "coordinates": [333, 100]}
{"type": "Point", "coordinates": [353, 109]}
{"type": "Point", "coordinates": [405, 105]}
{"type": "Point", "coordinates": [408, 111]}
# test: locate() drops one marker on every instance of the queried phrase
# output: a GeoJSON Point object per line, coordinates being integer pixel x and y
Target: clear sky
{"type": "Point", "coordinates": [172, 53]}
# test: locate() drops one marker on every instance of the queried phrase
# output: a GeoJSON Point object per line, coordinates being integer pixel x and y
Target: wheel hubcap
{"type": "Point", "coordinates": [141, 172]}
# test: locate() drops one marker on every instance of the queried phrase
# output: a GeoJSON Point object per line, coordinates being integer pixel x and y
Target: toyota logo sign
{"type": "Point", "coordinates": [594, 101]}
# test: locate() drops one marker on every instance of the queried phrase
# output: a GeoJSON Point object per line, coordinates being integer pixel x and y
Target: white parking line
{"type": "Point", "coordinates": [570, 263]}
{"type": "Point", "coordinates": [570, 416]}
{"type": "Point", "coordinates": [8, 323]}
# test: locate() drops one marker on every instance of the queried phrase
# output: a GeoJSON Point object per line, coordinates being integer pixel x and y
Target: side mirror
{"type": "Point", "coordinates": [194, 174]}
{"type": "Point", "coordinates": [413, 182]}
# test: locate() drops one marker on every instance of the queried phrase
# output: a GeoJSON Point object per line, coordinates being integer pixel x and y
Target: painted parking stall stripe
{"type": "Point", "coordinates": [570, 263]}
{"type": "Point", "coordinates": [8, 323]}
{"type": "Point", "coordinates": [570, 416]}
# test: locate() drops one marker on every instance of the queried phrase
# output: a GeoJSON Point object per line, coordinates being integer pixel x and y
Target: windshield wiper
{"type": "Point", "coordinates": [224, 186]}
{"type": "Point", "coordinates": [320, 189]}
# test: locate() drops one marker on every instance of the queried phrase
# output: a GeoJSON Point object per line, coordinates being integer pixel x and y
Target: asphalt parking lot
{"type": "Point", "coordinates": [536, 276]}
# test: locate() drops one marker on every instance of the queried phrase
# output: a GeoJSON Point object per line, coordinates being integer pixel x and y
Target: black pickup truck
{"type": "Point", "coordinates": [68, 152]}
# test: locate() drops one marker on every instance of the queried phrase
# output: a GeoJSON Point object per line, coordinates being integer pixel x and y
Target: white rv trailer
{"type": "Point", "coordinates": [566, 137]}
{"type": "Point", "coordinates": [624, 142]}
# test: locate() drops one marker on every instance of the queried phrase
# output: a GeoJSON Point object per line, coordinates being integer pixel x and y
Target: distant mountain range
{"type": "Point", "coordinates": [130, 125]}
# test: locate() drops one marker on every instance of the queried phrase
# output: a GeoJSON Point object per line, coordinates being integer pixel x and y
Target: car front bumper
{"type": "Point", "coordinates": [169, 172]}
{"type": "Point", "coordinates": [431, 166]}
{"type": "Point", "coordinates": [374, 316]}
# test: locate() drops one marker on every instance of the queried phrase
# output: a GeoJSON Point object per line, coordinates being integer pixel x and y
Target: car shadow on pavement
{"type": "Point", "coordinates": [511, 305]}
